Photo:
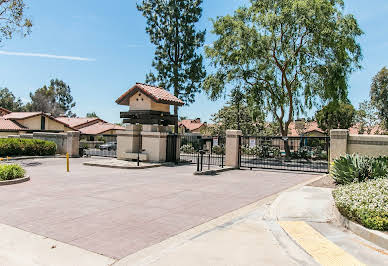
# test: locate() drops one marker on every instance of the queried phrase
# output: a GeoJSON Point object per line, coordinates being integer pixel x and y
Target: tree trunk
{"type": "Point", "coordinates": [284, 132]}
{"type": "Point", "coordinates": [176, 123]}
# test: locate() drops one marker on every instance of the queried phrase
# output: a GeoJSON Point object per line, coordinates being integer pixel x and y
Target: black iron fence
{"type": "Point", "coordinates": [310, 154]}
{"type": "Point", "coordinates": [206, 150]}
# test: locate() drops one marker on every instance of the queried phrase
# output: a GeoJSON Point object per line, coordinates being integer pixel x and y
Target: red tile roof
{"type": "Point", "coordinates": [25, 115]}
{"type": "Point", "coordinates": [21, 115]}
{"type": "Point", "coordinates": [99, 128]}
{"type": "Point", "coordinates": [190, 124]}
{"type": "Point", "coordinates": [9, 125]}
{"type": "Point", "coordinates": [157, 94]}
{"type": "Point", "coordinates": [308, 127]}
{"type": "Point", "coordinates": [78, 122]}
{"type": "Point", "coordinates": [4, 111]}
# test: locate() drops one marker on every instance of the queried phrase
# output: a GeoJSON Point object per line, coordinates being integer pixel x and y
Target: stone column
{"type": "Point", "coordinates": [154, 142]}
{"type": "Point", "coordinates": [128, 142]}
{"type": "Point", "coordinates": [232, 148]}
{"type": "Point", "coordinates": [338, 143]}
{"type": "Point", "coordinates": [72, 146]}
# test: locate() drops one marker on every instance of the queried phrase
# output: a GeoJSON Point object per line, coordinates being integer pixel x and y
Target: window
{"type": "Point", "coordinates": [42, 122]}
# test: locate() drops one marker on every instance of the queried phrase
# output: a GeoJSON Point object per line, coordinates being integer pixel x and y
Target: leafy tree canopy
{"type": "Point", "coordinates": [13, 19]}
{"type": "Point", "coordinates": [9, 101]}
{"type": "Point", "coordinates": [55, 99]}
{"type": "Point", "coordinates": [336, 115]}
{"type": "Point", "coordinates": [367, 117]}
{"type": "Point", "coordinates": [171, 25]}
{"type": "Point", "coordinates": [379, 94]}
{"type": "Point", "coordinates": [286, 54]}
{"type": "Point", "coordinates": [92, 114]}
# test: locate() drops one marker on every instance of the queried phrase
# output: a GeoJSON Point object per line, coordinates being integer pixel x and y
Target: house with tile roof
{"type": "Point", "coordinates": [28, 122]}
{"type": "Point", "coordinates": [92, 128]}
{"type": "Point", "coordinates": [4, 111]}
{"type": "Point", "coordinates": [191, 126]}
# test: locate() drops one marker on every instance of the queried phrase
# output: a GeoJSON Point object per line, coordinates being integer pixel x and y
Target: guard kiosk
{"type": "Point", "coordinates": [148, 123]}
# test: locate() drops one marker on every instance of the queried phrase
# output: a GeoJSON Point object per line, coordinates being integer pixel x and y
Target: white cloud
{"type": "Point", "coordinates": [74, 58]}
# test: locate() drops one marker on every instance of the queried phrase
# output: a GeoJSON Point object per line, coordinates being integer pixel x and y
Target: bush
{"type": "Point", "coordinates": [26, 147]}
{"type": "Point", "coordinates": [358, 168]}
{"type": "Point", "coordinates": [11, 171]}
{"type": "Point", "coordinates": [261, 151]}
{"type": "Point", "coordinates": [187, 148]}
{"type": "Point", "coordinates": [218, 150]}
{"type": "Point", "coordinates": [365, 203]}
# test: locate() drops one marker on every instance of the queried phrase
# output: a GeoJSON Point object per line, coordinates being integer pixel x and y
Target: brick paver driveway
{"type": "Point", "coordinates": [117, 212]}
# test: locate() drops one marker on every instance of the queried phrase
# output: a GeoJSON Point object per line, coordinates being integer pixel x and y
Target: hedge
{"type": "Point", "coordinates": [11, 171]}
{"type": "Point", "coordinates": [26, 147]}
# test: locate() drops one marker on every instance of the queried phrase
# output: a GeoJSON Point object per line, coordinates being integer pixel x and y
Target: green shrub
{"type": "Point", "coordinates": [187, 148]}
{"type": "Point", "coordinates": [358, 168]}
{"type": "Point", "coordinates": [218, 150]}
{"type": "Point", "coordinates": [26, 147]}
{"type": "Point", "coordinates": [11, 171]}
{"type": "Point", "coordinates": [365, 203]}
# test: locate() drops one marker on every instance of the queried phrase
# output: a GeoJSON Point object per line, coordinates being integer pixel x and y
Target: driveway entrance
{"type": "Point", "coordinates": [117, 212]}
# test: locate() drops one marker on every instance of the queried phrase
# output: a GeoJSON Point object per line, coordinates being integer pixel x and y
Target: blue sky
{"type": "Point", "coordinates": [106, 50]}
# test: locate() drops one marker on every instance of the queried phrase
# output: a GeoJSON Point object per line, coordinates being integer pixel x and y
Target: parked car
{"type": "Point", "coordinates": [110, 146]}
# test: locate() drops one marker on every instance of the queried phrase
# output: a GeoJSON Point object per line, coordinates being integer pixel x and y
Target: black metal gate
{"type": "Point", "coordinates": [308, 154]}
{"type": "Point", "coordinates": [171, 147]}
{"type": "Point", "coordinates": [207, 150]}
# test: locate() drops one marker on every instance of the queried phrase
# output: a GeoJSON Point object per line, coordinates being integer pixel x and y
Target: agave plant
{"type": "Point", "coordinates": [358, 168]}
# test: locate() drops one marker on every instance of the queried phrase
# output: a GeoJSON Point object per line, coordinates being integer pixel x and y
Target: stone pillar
{"type": "Point", "coordinates": [128, 141]}
{"type": "Point", "coordinates": [232, 148]}
{"type": "Point", "coordinates": [338, 143]}
{"type": "Point", "coordinates": [154, 142]}
{"type": "Point", "coordinates": [72, 145]}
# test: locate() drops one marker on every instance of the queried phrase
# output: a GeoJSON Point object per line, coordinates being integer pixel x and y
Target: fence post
{"type": "Point", "coordinates": [338, 143]}
{"type": "Point", "coordinates": [232, 148]}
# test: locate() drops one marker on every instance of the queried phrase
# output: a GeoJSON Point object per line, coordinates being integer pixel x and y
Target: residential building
{"type": "Point", "coordinates": [191, 126]}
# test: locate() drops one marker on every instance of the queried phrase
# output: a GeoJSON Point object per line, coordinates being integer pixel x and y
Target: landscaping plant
{"type": "Point", "coordinates": [365, 203]}
{"type": "Point", "coordinates": [11, 171]}
{"type": "Point", "coordinates": [358, 168]}
{"type": "Point", "coordinates": [26, 147]}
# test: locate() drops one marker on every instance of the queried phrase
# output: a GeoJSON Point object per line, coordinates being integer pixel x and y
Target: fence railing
{"type": "Point", "coordinates": [286, 153]}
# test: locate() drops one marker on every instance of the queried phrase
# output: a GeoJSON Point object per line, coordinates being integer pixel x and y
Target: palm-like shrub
{"type": "Point", "coordinates": [358, 168]}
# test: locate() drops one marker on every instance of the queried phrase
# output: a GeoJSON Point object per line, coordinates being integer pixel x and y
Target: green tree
{"type": "Point", "coordinates": [336, 115]}
{"type": "Point", "coordinates": [9, 101]}
{"type": "Point", "coordinates": [379, 94]}
{"type": "Point", "coordinates": [13, 19]}
{"type": "Point", "coordinates": [171, 25]}
{"type": "Point", "coordinates": [287, 54]}
{"type": "Point", "coordinates": [367, 117]}
{"type": "Point", "coordinates": [55, 99]}
{"type": "Point", "coordinates": [91, 115]}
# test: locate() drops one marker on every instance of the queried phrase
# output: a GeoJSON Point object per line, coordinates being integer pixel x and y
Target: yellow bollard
{"type": "Point", "coordinates": [67, 161]}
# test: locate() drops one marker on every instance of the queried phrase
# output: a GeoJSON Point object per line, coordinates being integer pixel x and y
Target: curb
{"type": "Point", "coordinates": [15, 181]}
{"type": "Point", "coordinates": [123, 167]}
{"type": "Point", "coordinates": [374, 236]}
{"type": "Point", "coordinates": [214, 172]}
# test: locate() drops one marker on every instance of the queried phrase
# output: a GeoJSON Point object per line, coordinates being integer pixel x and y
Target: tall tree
{"type": "Point", "coordinates": [336, 115]}
{"type": "Point", "coordinates": [13, 19]}
{"type": "Point", "coordinates": [367, 117]}
{"type": "Point", "coordinates": [171, 25]}
{"type": "Point", "coordinates": [9, 101]}
{"type": "Point", "coordinates": [55, 99]}
{"type": "Point", "coordinates": [379, 94]}
{"type": "Point", "coordinates": [288, 54]}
